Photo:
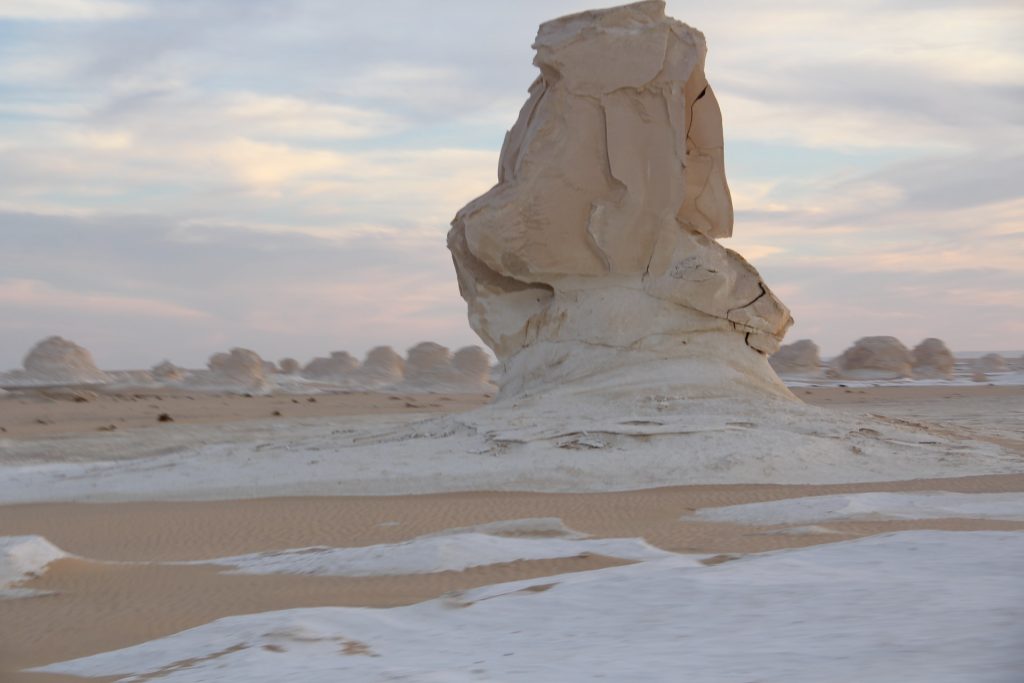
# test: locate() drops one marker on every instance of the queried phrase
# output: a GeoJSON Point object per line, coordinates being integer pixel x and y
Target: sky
{"type": "Point", "coordinates": [178, 177]}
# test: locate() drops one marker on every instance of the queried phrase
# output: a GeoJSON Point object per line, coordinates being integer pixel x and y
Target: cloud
{"type": "Point", "coordinates": [67, 10]}
{"type": "Point", "coordinates": [93, 279]}
{"type": "Point", "coordinates": [290, 168]}
{"type": "Point", "coordinates": [35, 295]}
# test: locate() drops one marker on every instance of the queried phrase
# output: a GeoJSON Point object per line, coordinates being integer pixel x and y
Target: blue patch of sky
{"type": "Point", "coordinates": [756, 160]}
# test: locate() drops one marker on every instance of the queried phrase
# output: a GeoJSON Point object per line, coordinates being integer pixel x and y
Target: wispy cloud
{"type": "Point", "coordinates": [67, 10]}
{"type": "Point", "coordinates": [36, 295]}
{"type": "Point", "coordinates": [290, 168]}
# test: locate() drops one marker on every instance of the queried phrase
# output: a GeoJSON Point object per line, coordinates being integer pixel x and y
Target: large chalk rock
{"type": "Point", "coordinates": [382, 367]}
{"type": "Point", "coordinates": [56, 360]}
{"type": "Point", "coordinates": [799, 358]}
{"type": "Point", "coordinates": [338, 368]}
{"type": "Point", "coordinates": [627, 335]}
{"type": "Point", "coordinates": [932, 359]}
{"type": "Point", "coordinates": [239, 368]}
{"type": "Point", "coordinates": [874, 358]}
{"type": "Point", "coordinates": [597, 250]}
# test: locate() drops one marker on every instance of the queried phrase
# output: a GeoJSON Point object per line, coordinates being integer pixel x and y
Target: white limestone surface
{"type": "Point", "coordinates": [952, 612]}
{"type": "Point", "coordinates": [554, 442]}
{"type": "Point", "coordinates": [430, 554]}
{"type": "Point", "coordinates": [872, 506]}
{"type": "Point", "coordinates": [21, 558]}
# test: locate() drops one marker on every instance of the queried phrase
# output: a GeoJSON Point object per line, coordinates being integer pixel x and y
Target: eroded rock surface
{"type": "Point", "coordinates": [799, 358]}
{"type": "Point", "coordinates": [875, 358]}
{"type": "Point", "coordinates": [932, 359]}
{"type": "Point", "coordinates": [598, 249]}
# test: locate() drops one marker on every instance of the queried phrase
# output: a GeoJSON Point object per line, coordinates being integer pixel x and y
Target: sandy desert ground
{"type": "Point", "coordinates": [140, 570]}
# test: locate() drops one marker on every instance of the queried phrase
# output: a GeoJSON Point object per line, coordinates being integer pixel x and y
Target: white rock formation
{"type": "Point", "coordinates": [874, 358]}
{"type": "Point", "coordinates": [382, 367]}
{"type": "Point", "coordinates": [338, 368]}
{"type": "Point", "coordinates": [56, 360]}
{"type": "Point", "coordinates": [624, 330]}
{"type": "Point", "coordinates": [990, 362]}
{"type": "Point", "coordinates": [474, 365]}
{"type": "Point", "coordinates": [801, 358]}
{"type": "Point", "coordinates": [932, 359]}
{"type": "Point", "coordinates": [167, 372]}
{"type": "Point", "coordinates": [596, 254]}
{"type": "Point", "coordinates": [428, 367]}
{"type": "Point", "coordinates": [240, 368]}
{"type": "Point", "coordinates": [289, 366]}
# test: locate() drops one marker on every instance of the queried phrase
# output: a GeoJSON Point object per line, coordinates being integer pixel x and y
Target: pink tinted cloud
{"type": "Point", "coordinates": [36, 294]}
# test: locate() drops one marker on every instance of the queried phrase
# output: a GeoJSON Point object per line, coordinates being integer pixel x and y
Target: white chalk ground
{"type": "Point", "coordinates": [452, 550]}
{"type": "Point", "coordinates": [954, 612]}
{"type": "Point", "coordinates": [21, 558]}
{"type": "Point", "coordinates": [866, 506]}
{"type": "Point", "coordinates": [963, 377]}
{"type": "Point", "coordinates": [24, 557]}
{"type": "Point", "coordinates": [554, 443]}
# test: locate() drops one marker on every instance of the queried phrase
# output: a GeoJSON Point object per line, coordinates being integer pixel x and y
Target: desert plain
{"type": "Point", "coordinates": [134, 569]}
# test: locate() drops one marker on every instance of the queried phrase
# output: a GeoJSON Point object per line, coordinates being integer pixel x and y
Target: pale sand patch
{"type": "Point", "coordinates": [30, 414]}
{"type": "Point", "coordinates": [99, 607]}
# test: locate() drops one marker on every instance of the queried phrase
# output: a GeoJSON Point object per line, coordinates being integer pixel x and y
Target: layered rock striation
{"type": "Point", "coordinates": [598, 248]}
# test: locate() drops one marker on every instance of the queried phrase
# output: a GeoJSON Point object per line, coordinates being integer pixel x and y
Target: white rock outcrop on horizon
{"type": "Point", "coordinates": [56, 360]}
{"type": "Point", "coordinates": [240, 368]}
{"type": "Point", "coordinates": [338, 367]}
{"type": "Point", "coordinates": [802, 357]}
{"type": "Point", "coordinates": [597, 252]}
{"type": "Point", "coordinates": [932, 359]}
{"type": "Point", "coordinates": [288, 366]}
{"type": "Point", "coordinates": [474, 366]}
{"type": "Point", "coordinates": [428, 366]}
{"type": "Point", "coordinates": [382, 367]}
{"type": "Point", "coordinates": [875, 358]}
{"type": "Point", "coordinates": [167, 372]}
{"type": "Point", "coordinates": [990, 362]}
